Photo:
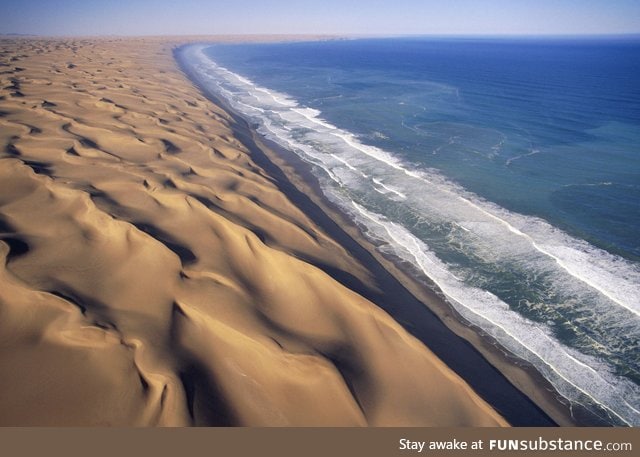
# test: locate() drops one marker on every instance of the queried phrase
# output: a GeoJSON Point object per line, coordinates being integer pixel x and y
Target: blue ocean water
{"type": "Point", "coordinates": [505, 170]}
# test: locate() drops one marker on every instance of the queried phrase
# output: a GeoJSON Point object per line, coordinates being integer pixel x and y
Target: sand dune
{"type": "Point", "coordinates": [152, 274]}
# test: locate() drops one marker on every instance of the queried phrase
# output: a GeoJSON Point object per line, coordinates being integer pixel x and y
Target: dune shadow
{"type": "Point", "coordinates": [169, 147]}
{"type": "Point", "coordinates": [185, 254]}
{"type": "Point", "coordinates": [41, 168]}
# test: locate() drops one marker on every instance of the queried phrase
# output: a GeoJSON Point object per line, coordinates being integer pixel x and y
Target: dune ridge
{"type": "Point", "coordinates": [152, 274]}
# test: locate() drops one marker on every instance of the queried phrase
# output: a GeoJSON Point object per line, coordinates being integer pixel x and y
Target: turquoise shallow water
{"type": "Point", "coordinates": [507, 171]}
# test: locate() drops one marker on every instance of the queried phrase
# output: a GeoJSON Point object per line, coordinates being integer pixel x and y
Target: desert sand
{"type": "Point", "coordinates": [152, 274]}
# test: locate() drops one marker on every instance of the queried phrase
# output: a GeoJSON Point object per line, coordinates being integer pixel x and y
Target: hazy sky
{"type": "Point", "coordinates": [157, 17]}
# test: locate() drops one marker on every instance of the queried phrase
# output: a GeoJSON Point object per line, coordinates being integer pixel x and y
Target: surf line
{"type": "Point", "coordinates": [452, 296]}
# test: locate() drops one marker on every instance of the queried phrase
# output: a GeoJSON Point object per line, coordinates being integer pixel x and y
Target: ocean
{"type": "Point", "coordinates": [506, 171]}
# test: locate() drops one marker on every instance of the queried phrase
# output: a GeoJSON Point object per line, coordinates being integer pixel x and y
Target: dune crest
{"type": "Point", "coordinates": [151, 274]}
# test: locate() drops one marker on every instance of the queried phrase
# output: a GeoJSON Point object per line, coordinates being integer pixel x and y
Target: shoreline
{"type": "Point", "coordinates": [153, 274]}
{"type": "Point", "coordinates": [493, 372]}
{"type": "Point", "coordinates": [163, 265]}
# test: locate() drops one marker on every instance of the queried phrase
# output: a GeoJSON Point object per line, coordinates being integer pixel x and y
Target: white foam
{"type": "Point", "coordinates": [522, 156]}
{"type": "Point", "coordinates": [524, 338]}
{"type": "Point", "coordinates": [389, 189]}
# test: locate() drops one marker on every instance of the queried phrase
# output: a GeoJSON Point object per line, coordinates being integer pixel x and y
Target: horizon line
{"type": "Point", "coordinates": [340, 35]}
